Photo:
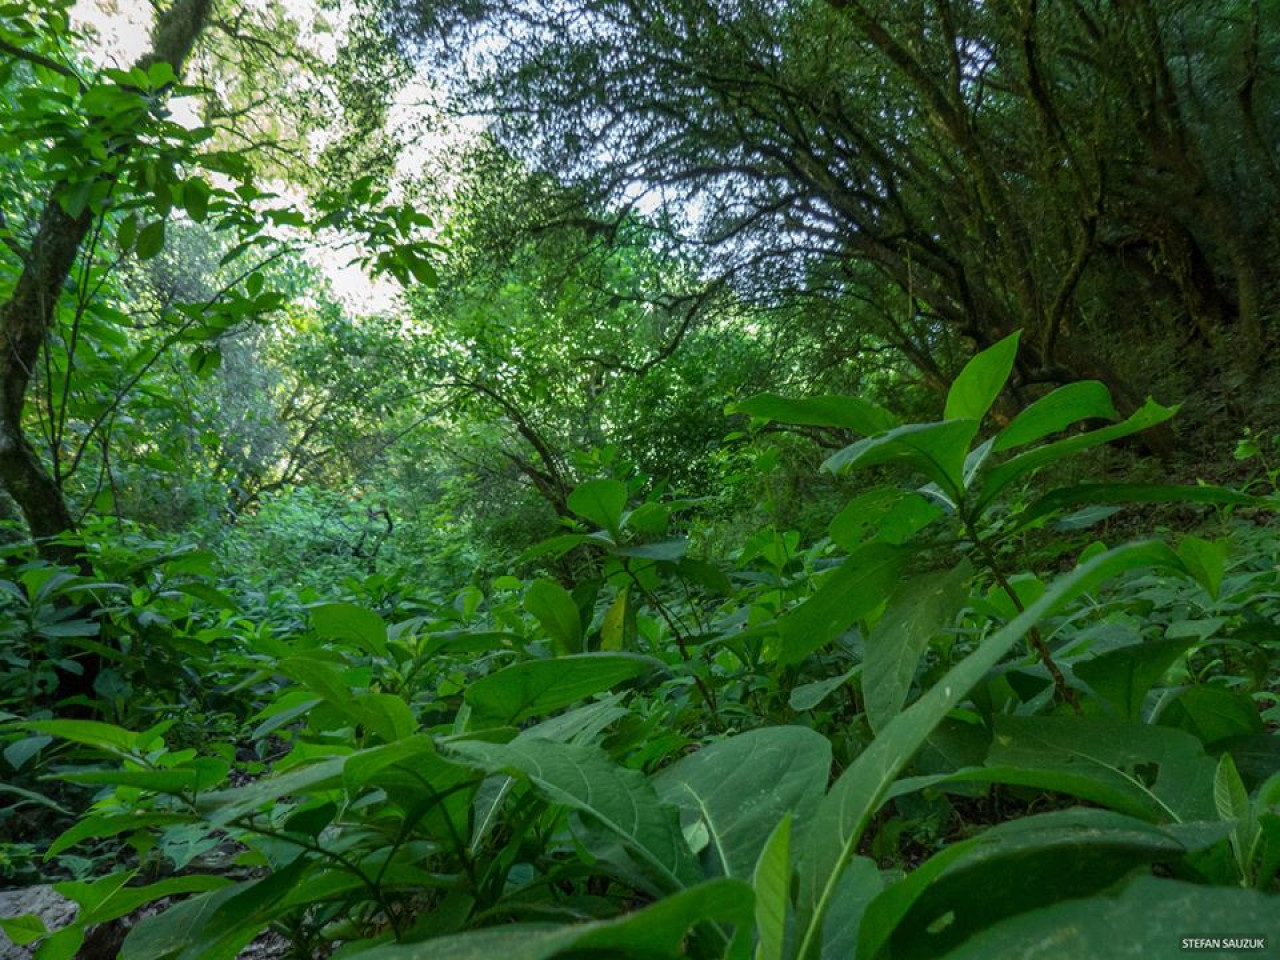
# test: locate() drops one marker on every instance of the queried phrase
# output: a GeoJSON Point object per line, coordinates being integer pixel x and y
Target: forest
{"type": "Point", "coordinates": [641, 479]}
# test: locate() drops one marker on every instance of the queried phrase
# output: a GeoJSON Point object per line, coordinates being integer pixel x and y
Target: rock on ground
{"type": "Point", "coordinates": [45, 902]}
{"type": "Point", "coordinates": [57, 911]}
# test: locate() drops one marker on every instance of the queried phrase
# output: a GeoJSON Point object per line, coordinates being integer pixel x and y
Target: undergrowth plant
{"type": "Point", "coordinates": [826, 750]}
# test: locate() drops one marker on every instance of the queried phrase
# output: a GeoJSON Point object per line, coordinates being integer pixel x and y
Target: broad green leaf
{"type": "Point", "coordinates": [1149, 918]}
{"type": "Point", "coordinates": [1268, 862]}
{"type": "Point", "coordinates": [216, 925]}
{"type": "Point", "coordinates": [30, 796]}
{"type": "Point", "coordinates": [286, 708]}
{"type": "Point", "coordinates": [120, 900]}
{"type": "Point", "coordinates": [585, 779]}
{"type": "Point", "coordinates": [582, 724]}
{"type": "Point", "coordinates": [460, 642]}
{"type": "Point", "coordinates": [24, 929]}
{"type": "Point", "coordinates": [850, 413]}
{"type": "Point", "coordinates": [1212, 714]}
{"type": "Point", "coordinates": [159, 74]}
{"type": "Point", "coordinates": [1064, 497]}
{"type": "Point", "coordinates": [127, 232]}
{"type": "Point", "coordinates": [771, 880]}
{"type": "Point", "coordinates": [856, 888]}
{"type": "Point", "coordinates": [69, 628]}
{"type": "Point", "coordinates": [809, 695]}
{"type": "Point", "coordinates": [90, 733]}
{"type": "Point", "coordinates": [325, 678]}
{"type": "Point", "coordinates": [600, 501]}
{"type": "Point", "coordinates": [975, 460]}
{"type": "Point", "coordinates": [918, 610]}
{"type": "Point", "coordinates": [1086, 400]}
{"type": "Point", "coordinates": [1200, 629]}
{"type": "Point", "coordinates": [525, 689]}
{"type": "Point", "coordinates": [553, 607]}
{"type": "Point", "coordinates": [1232, 803]}
{"type": "Point", "coordinates": [360, 768]}
{"type": "Point", "coordinates": [19, 752]}
{"type": "Point", "coordinates": [741, 787]}
{"type": "Point", "coordinates": [658, 932]}
{"type": "Point", "coordinates": [75, 197]}
{"type": "Point", "coordinates": [192, 777]}
{"type": "Point", "coordinates": [1256, 756]}
{"type": "Point", "coordinates": [844, 813]}
{"type": "Point", "coordinates": [937, 450]}
{"type": "Point", "coordinates": [651, 518]}
{"type": "Point", "coordinates": [386, 714]}
{"type": "Point", "coordinates": [668, 550]}
{"type": "Point", "coordinates": [92, 894]}
{"type": "Point", "coordinates": [62, 944]}
{"type": "Point", "coordinates": [882, 513]}
{"type": "Point", "coordinates": [310, 819]}
{"type": "Point", "coordinates": [1086, 518]}
{"type": "Point", "coordinates": [555, 547]}
{"type": "Point", "coordinates": [409, 772]}
{"type": "Point", "coordinates": [1123, 675]}
{"type": "Point", "coordinates": [1025, 464]}
{"type": "Point", "coordinates": [1054, 856]}
{"type": "Point", "coordinates": [613, 629]}
{"type": "Point", "coordinates": [102, 825]}
{"type": "Point", "coordinates": [150, 240]}
{"type": "Point", "coordinates": [1206, 561]}
{"type": "Point", "coordinates": [195, 197]}
{"type": "Point", "coordinates": [854, 591]}
{"type": "Point", "coordinates": [980, 382]}
{"type": "Point", "coordinates": [225, 806]}
{"type": "Point", "coordinates": [1104, 761]}
{"type": "Point", "coordinates": [351, 623]}
{"type": "Point", "coordinates": [709, 576]}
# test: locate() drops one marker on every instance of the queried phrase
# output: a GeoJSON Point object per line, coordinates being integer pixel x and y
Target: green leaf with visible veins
{"type": "Point", "coordinates": [937, 450]}
{"type": "Point", "coordinates": [1085, 400]}
{"type": "Point", "coordinates": [601, 502]}
{"type": "Point", "coordinates": [1148, 919]}
{"type": "Point", "coordinates": [585, 779]}
{"type": "Point", "coordinates": [981, 380]}
{"type": "Point", "coordinates": [1055, 856]}
{"type": "Point", "coordinates": [771, 880]}
{"type": "Point", "coordinates": [844, 813]}
{"type": "Point", "coordinates": [918, 610]}
{"type": "Point", "coordinates": [658, 932]}
{"type": "Point", "coordinates": [523, 690]}
{"type": "Point", "coordinates": [553, 607]}
{"type": "Point", "coordinates": [851, 413]}
{"type": "Point", "coordinates": [741, 787]}
{"type": "Point", "coordinates": [351, 622]}
{"type": "Point", "coordinates": [1123, 675]}
{"type": "Point", "coordinates": [853, 592]}
{"type": "Point", "coordinates": [1104, 761]}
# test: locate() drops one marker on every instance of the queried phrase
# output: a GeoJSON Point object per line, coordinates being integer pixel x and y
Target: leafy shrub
{"type": "Point", "coordinates": [668, 757]}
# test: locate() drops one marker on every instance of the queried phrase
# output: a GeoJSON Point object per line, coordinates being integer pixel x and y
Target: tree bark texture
{"type": "Point", "coordinates": [29, 314]}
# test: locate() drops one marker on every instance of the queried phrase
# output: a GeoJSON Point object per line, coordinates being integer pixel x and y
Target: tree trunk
{"type": "Point", "coordinates": [25, 321]}
{"type": "Point", "coordinates": [27, 317]}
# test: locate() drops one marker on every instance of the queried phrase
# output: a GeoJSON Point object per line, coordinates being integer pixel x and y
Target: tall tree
{"type": "Point", "coordinates": [1087, 172]}
{"type": "Point", "coordinates": [582, 333]}
{"type": "Point", "coordinates": [68, 215]}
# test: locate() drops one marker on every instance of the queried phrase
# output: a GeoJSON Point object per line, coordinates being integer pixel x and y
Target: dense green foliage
{"type": "Point", "coordinates": [745, 531]}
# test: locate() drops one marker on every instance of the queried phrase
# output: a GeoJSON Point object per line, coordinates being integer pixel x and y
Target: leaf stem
{"type": "Point", "coordinates": [1062, 689]}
